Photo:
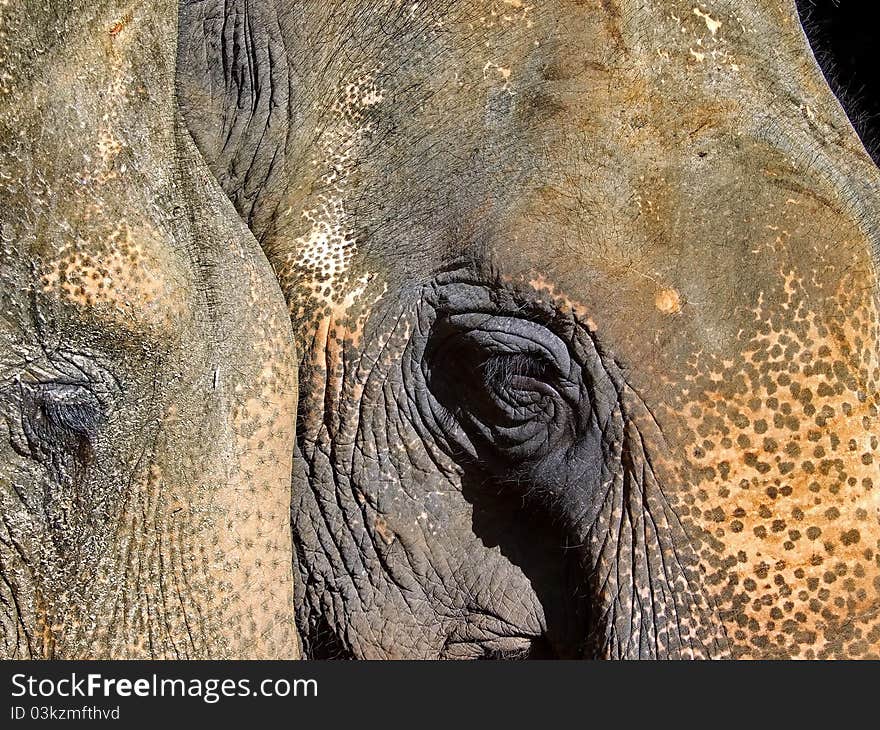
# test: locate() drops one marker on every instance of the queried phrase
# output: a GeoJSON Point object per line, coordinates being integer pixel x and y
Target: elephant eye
{"type": "Point", "coordinates": [505, 385]}
{"type": "Point", "coordinates": [515, 385]}
{"type": "Point", "coordinates": [493, 367]}
{"type": "Point", "coordinates": [61, 416]}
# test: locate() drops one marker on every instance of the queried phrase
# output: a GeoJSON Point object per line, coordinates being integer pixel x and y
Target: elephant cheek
{"type": "Point", "coordinates": [782, 454]}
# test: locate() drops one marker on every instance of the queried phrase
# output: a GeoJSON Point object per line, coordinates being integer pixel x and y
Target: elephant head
{"type": "Point", "coordinates": [147, 376]}
{"type": "Point", "coordinates": [587, 307]}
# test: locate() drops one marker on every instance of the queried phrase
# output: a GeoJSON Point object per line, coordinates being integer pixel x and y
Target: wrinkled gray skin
{"type": "Point", "coordinates": [146, 382]}
{"type": "Point", "coordinates": [586, 303]}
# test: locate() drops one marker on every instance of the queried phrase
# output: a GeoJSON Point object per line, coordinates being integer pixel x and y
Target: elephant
{"type": "Point", "coordinates": [148, 376]}
{"type": "Point", "coordinates": [482, 328]}
{"type": "Point", "coordinates": [585, 303]}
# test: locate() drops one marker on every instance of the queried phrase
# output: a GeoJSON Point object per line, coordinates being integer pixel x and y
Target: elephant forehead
{"type": "Point", "coordinates": [119, 271]}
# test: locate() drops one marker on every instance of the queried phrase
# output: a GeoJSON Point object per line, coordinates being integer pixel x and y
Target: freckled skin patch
{"type": "Point", "coordinates": [646, 180]}
{"type": "Point", "coordinates": [123, 274]}
{"type": "Point", "coordinates": [316, 269]}
{"type": "Point", "coordinates": [783, 462]}
{"type": "Point", "coordinates": [147, 368]}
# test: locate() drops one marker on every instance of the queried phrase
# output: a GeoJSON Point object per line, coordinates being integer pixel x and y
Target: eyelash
{"type": "Point", "coordinates": [61, 416]}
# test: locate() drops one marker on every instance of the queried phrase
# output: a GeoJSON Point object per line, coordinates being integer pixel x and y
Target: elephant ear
{"type": "Point", "coordinates": [234, 90]}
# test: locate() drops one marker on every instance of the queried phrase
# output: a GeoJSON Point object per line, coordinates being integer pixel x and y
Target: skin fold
{"type": "Point", "coordinates": [587, 308]}
{"type": "Point", "coordinates": [147, 370]}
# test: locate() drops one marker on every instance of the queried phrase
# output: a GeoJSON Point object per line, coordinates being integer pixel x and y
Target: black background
{"type": "Point", "coordinates": [844, 35]}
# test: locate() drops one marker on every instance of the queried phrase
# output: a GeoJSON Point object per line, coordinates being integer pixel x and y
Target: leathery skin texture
{"type": "Point", "coordinates": [587, 309]}
{"type": "Point", "coordinates": [580, 334]}
{"type": "Point", "coordinates": [147, 376]}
